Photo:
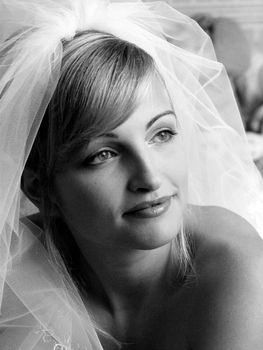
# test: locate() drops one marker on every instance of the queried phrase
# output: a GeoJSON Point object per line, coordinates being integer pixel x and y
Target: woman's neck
{"type": "Point", "coordinates": [125, 289]}
{"type": "Point", "coordinates": [127, 279]}
{"type": "Point", "coordinates": [123, 276]}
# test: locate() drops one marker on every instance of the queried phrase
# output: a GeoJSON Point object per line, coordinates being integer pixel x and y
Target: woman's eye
{"type": "Point", "coordinates": [100, 157]}
{"type": "Point", "coordinates": [163, 136]}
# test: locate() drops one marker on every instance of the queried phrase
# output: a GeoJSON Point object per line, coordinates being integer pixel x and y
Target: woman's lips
{"type": "Point", "coordinates": [150, 209]}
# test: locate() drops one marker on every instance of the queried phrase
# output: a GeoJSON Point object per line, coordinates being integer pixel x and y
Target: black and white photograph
{"type": "Point", "coordinates": [131, 165]}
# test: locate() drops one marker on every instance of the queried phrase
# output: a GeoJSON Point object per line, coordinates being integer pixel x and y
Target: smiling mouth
{"type": "Point", "coordinates": [150, 209]}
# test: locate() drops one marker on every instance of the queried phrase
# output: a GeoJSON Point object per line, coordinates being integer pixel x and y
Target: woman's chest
{"type": "Point", "coordinates": [165, 325]}
{"type": "Point", "coordinates": [169, 326]}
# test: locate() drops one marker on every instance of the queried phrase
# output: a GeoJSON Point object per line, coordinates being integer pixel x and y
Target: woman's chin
{"type": "Point", "coordinates": [151, 234]}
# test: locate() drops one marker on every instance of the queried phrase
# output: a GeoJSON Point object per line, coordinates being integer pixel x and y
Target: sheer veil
{"type": "Point", "coordinates": [39, 304]}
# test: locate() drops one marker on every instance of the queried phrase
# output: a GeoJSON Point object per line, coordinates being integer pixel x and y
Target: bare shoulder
{"type": "Point", "coordinates": [228, 307]}
{"type": "Point", "coordinates": [227, 246]}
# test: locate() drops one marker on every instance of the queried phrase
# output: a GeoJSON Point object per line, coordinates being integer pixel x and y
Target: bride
{"type": "Point", "coordinates": [121, 128]}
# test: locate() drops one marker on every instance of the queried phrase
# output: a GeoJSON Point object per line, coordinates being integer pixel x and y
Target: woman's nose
{"type": "Point", "coordinates": [144, 176]}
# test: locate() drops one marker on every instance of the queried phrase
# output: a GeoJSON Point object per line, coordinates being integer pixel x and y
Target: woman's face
{"type": "Point", "coordinates": [131, 188]}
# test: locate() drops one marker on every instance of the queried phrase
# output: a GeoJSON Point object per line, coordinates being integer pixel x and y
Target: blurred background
{"type": "Point", "coordinates": [247, 13]}
{"type": "Point", "coordinates": [236, 29]}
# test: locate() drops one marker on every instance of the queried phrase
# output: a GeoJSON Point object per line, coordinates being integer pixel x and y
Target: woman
{"type": "Point", "coordinates": [139, 144]}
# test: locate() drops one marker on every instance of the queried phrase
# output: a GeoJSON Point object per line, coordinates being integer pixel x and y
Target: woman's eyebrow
{"type": "Point", "coordinates": [148, 125]}
{"type": "Point", "coordinates": [158, 116]}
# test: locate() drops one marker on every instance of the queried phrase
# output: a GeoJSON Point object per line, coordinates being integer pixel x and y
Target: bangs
{"type": "Point", "coordinates": [98, 89]}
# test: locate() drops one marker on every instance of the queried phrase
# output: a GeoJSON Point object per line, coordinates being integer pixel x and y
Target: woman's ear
{"type": "Point", "coordinates": [30, 186]}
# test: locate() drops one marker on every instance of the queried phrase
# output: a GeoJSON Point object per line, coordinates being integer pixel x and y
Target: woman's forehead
{"type": "Point", "coordinates": [151, 104]}
{"type": "Point", "coordinates": [152, 89]}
